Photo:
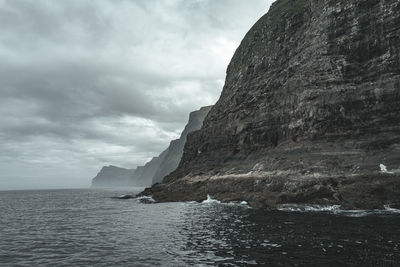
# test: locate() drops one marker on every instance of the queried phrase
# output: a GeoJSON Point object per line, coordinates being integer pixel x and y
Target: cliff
{"type": "Point", "coordinates": [143, 175]}
{"type": "Point", "coordinates": [158, 167]}
{"type": "Point", "coordinates": [309, 109]}
{"type": "Point", "coordinates": [112, 176]}
{"type": "Point", "coordinates": [175, 150]}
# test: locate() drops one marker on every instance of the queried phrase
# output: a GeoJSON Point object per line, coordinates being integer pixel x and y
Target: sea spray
{"type": "Point", "coordinates": [336, 209]}
{"type": "Point", "coordinates": [390, 209]}
{"type": "Point", "coordinates": [210, 200]}
{"type": "Point", "coordinates": [307, 208]}
{"type": "Point", "coordinates": [384, 169]}
{"type": "Point", "coordinates": [146, 199]}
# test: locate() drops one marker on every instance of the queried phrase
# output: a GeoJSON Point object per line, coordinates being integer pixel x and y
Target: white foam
{"type": "Point", "coordinates": [384, 169]}
{"type": "Point", "coordinates": [237, 203]}
{"type": "Point", "coordinates": [355, 213]}
{"type": "Point", "coordinates": [210, 200]}
{"type": "Point", "coordinates": [307, 208]}
{"type": "Point", "coordinates": [146, 199]}
{"type": "Point", "coordinates": [388, 208]}
{"type": "Point", "coordinates": [362, 213]}
{"type": "Point", "coordinates": [267, 243]}
{"type": "Point", "coordinates": [335, 209]}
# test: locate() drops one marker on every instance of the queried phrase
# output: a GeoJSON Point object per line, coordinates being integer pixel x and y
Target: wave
{"type": "Point", "coordinates": [146, 199]}
{"type": "Point", "coordinates": [388, 208]}
{"type": "Point", "coordinates": [210, 200]}
{"type": "Point", "coordinates": [307, 208]}
{"type": "Point", "coordinates": [336, 209]}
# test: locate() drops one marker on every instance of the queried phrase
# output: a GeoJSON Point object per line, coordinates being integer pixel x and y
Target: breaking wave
{"type": "Point", "coordinates": [145, 199]}
{"type": "Point", "coordinates": [336, 209]}
{"type": "Point", "coordinates": [211, 200]}
{"type": "Point", "coordinates": [307, 208]}
{"type": "Point", "coordinates": [388, 208]}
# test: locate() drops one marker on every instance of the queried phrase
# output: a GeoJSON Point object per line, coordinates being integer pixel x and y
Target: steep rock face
{"type": "Point", "coordinates": [143, 175]}
{"type": "Point", "coordinates": [158, 167]}
{"type": "Point", "coordinates": [112, 176]}
{"type": "Point", "coordinates": [175, 149]}
{"type": "Point", "coordinates": [312, 92]}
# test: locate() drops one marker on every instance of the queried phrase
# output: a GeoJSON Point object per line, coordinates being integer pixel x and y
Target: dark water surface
{"type": "Point", "coordinates": [88, 228]}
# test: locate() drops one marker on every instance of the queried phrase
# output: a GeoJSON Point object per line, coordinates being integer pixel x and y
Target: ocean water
{"type": "Point", "coordinates": [89, 228]}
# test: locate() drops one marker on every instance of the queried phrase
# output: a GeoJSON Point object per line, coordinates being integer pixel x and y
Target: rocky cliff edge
{"type": "Point", "coordinates": [309, 111]}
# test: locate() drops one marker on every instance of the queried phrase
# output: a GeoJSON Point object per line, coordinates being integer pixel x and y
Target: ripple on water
{"type": "Point", "coordinates": [87, 227]}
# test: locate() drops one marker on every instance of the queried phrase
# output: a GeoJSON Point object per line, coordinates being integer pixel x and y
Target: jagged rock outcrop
{"type": "Point", "coordinates": [112, 176]}
{"type": "Point", "coordinates": [175, 150]}
{"type": "Point", "coordinates": [310, 108]}
{"type": "Point", "coordinates": [158, 167]}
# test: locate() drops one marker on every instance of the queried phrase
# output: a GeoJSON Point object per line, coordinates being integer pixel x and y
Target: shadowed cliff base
{"type": "Point", "coordinates": [355, 192]}
{"type": "Point", "coordinates": [311, 97]}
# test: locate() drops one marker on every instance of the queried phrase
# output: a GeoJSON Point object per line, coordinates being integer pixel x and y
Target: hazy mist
{"type": "Point", "coordinates": [90, 83]}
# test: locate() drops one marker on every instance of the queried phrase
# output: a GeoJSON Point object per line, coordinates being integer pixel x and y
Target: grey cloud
{"type": "Point", "coordinates": [90, 83]}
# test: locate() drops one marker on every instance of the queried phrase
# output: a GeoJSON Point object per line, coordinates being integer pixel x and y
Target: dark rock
{"type": "Point", "coordinates": [175, 150]}
{"type": "Point", "coordinates": [356, 192]}
{"type": "Point", "coordinates": [143, 175]}
{"type": "Point", "coordinates": [309, 110]}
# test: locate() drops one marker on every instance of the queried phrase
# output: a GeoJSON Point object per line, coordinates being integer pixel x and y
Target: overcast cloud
{"type": "Point", "coordinates": [90, 83]}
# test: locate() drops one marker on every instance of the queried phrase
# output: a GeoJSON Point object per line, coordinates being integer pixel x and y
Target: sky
{"type": "Point", "coordinates": [87, 83]}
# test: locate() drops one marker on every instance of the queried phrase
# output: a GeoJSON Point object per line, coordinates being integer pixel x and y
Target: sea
{"type": "Point", "coordinates": [91, 227]}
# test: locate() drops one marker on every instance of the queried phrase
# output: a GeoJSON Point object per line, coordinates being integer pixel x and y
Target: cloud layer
{"type": "Point", "coordinates": [90, 83]}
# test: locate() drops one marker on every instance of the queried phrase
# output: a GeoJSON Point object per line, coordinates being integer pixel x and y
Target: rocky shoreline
{"type": "Point", "coordinates": [373, 191]}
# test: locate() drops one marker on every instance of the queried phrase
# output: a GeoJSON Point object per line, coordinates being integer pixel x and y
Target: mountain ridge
{"type": "Point", "coordinates": [158, 167]}
{"type": "Point", "coordinates": [309, 109]}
